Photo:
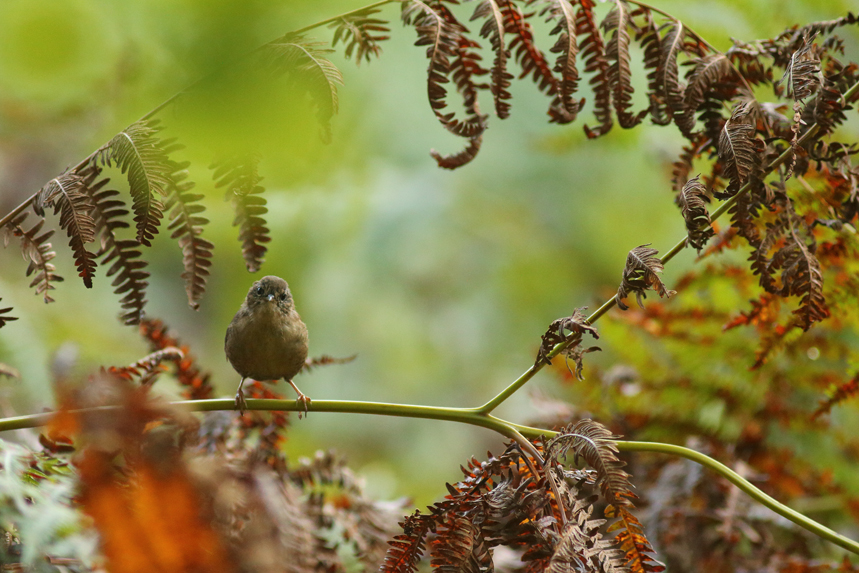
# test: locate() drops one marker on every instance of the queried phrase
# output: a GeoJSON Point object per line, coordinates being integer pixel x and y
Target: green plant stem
{"type": "Point", "coordinates": [474, 417]}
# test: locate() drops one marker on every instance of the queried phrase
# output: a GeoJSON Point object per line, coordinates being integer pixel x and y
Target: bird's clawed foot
{"type": "Point", "coordinates": [241, 404]}
{"type": "Point", "coordinates": [303, 400]}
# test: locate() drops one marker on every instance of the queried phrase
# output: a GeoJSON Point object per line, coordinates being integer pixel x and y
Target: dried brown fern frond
{"type": "Point", "coordinates": [5, 316]}
{"type": "Point", "coordinates": [802, 77]}
{"type": "Point", "coordinates": [187, 226]}
{"type": "Point", "coordinates": [493, 30]}
{"type": "Point", "coordinates": [406, 549]}
{"type": "Point", "coordinates": [146, 370]}
{"type": "Point", "coordinates": [325, 360]}
{"type": "Point", "coordinates": [196, 381]}
{"type": "Point", "coordinates": [360, 33]}
{"type": "Point", "coordinates": [647, 34]}
{"type": "Point", "coordinates": [595, 444]}
{"type": "Point", "coordinates": [593, 52]}
{"type": "Point", "coordinates": [532, 61]}
{"type": "Point", "coordinates": [701, 84]}
{"type": "Point", "coordinates": [444, 36]}
{"type": "Point", "coordinates": [240, 176]}
{"type": "Point", "coordinates": [305, 60]}
{"type": "Point", "coordinates": [68, 196]}
{"type": "Point", "coordinates": [616, 23]}
{"type": "Point", "coordinates": [36, 250]}
{"type": "Point", "coordinates": [802, 277]}
{"type": "Point", "coordinates": [738, 147]}
{"type": "Point", "coordinates": [837, 394]}
{"type": "Point", "coordinates": [668, 76]}
{"type": "Point", "coordinates": [691, 200]}
{"type": "Point", "coordinates": [583, 547]}
{"type": "Point", "coordinates": [576, 324]}
{"type": "Point", "coordinates": [640, 274]}
{"type": "Point", "coordinates": [562, 13]}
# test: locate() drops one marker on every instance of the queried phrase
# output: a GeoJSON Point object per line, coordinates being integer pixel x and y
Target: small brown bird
{"type": "Point", "coordinates": [267, 340]}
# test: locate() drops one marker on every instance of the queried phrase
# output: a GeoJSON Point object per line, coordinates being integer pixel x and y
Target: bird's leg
{"type": "Point", "coordinates": [240, 398]}
{"type": "Point", "coordinates": [302, 399]}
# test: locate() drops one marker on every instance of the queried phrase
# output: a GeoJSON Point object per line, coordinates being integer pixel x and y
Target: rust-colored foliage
{"type": "Point", "coordinates": [837, 394]}
{"type": "Point", "coordinates": [142, 500]}
{"type": "Point", "coordinates": [195, 381]}
{"type": "Point", "coordinates": [512, 500]}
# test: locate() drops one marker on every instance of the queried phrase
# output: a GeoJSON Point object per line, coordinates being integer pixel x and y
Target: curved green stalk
{"type": "Point", "coordinates": [475, 417]}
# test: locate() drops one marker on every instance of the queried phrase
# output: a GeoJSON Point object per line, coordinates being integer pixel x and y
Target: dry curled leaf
{"type": "Point", "coordinates": [640, 274]}
{"type": "Point", "coordinates": [576, 324]}
{"type": "Point", "coordinates": [694, 210]}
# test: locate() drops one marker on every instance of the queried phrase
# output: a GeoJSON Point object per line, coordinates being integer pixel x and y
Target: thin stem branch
{"type": "Point", "coordinates": [474, 417]}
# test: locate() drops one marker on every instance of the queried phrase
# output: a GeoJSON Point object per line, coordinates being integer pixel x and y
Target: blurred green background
{"type": "Point", "coordinates": [442, 282]}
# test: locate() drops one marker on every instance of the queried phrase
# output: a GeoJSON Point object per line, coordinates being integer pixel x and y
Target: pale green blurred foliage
{"type": "Point", "coordinates": [441, 282]}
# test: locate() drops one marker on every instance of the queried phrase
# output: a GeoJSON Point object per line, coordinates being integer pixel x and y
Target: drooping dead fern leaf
{"type": "Point", "coordinates": [187, 226]}
{"type": "Point", "coordinates": [36, 250]}
{"type": "Point", "coordinates": [738, 148]}
{"type": "Point", "coordinates": [594, 54]}
{"type": "Point", "coordinates": [444, 36]}
{"type": "Point", "coordinates": [241, 178]}
{"type": "Point", "coordinates": [67, 195]}
{"type": "Point", "coordinates": [407, 548]}
{"type": "Point", "coordinates": [802, 277]}
{"type": "Point", "coordinates": [619, 72]}
{"type": "Point", "coordinates": [691, 200]}
{"type": "Point", "coordinates": [640, 274]}
{"type": "Point", "coordinates": [140, 154]}
{"type": "Point", "coordinates": [802, 77]}
{"type": "Point", "coordinates": [567, 48]}
{"type": "Point", "coordinates": [493, 30]}
{"type": "Point", "coordinates": [532, 61]}
{"type": "Point", "coordinates": [509, 501]}
{"type": "Point", "coordinates": [311, 363]}
{"type": "Point", "coordinates": [701, 84]}
{"type": "Point", "coordinates": [360, 34]}
{"type": "Point", "coordinates": [582, 546]}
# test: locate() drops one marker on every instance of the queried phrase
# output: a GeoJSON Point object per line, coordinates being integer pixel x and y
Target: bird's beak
{"type": "Point", "coordinates": [270, 297]}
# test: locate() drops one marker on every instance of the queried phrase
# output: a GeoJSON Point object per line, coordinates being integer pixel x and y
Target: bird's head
{"type": "Point", "coordinates": [270, 290]}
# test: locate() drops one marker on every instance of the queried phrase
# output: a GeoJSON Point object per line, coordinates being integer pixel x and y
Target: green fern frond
{"type": "Point", "coordinates": [142, 156]}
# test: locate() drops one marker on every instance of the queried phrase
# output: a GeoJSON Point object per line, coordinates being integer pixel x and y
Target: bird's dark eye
{"type": "Point", "coordinates": [283, 296]}
{"type": "Point", "coordinates": [259, 290]}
